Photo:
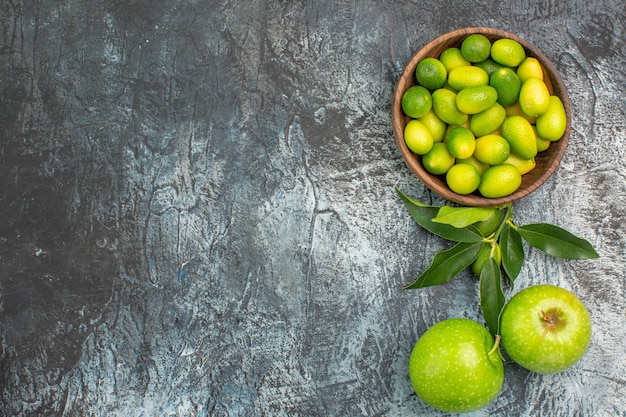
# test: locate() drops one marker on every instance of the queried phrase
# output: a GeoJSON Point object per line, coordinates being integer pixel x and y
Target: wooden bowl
{"type": "Point", "coordinates": [546, 161]}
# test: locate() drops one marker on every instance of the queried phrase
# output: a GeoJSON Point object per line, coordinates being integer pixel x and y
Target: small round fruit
{"type": "Point", "coordinates": [431, 73]}
{"type": "Point", "coordinates": [524, 166]}
{"type": "Point", "coordinates": [534, 97]}
{"type": "Point", "coordinates": [500, 181]}
{"type": "Point", "coordinates": [444, 105]}
{"type": "Point", "coordinates": [552, 124]}
{"type": "Point", "coordinates": [487, 121]}
{"type": "Point", "coordinates": [416, 101]}
{"type": "Point", "coordinates": [476, 47]}
{"type": "Point", "coordinates": [455, 366]}
{"type": "Point", "coordinates": [545, 328]}
{"type": "Point", "coordinates": [417, 137]}
{"type": "Point", "coordinates": [521, 136]}
{"type": "Point", "coordinates": [435, 125]}
{"type": "Point", "coordinates": [507, 84]}
{"type": "Point", "coordinates": [484, 255]}
{"type": "Point", "coordinates": [452, 58]}
{"type": "Point", "coordinates": [530, 67]}
{"type": "Point", "coordinates": [489, 65]}
{"type": "Point", "coordinates": [508, 52]}
{"type": "Point", "coordinates": [438, 161]}
{"type": "Point", "coordinates": [488, 226]}
{"type": "Point", "coordinates": [467, 76]}
{"type": "Point", "coordinates": [472, 100]}
{"type": "Point", "coordinates": [480, 166]}
{"type": "Point", "coordinates": [461, 142]}
{"type": "Point", "coordinates": [463, 178]}
{"type": "Point", "coordinates": [492, 149]}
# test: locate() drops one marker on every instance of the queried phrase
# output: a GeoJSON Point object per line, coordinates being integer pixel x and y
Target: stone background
{"type": "Point", "coordinates": [198, 216]}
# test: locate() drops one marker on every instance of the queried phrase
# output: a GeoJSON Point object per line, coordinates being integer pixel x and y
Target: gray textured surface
{"type": "Point", "coordinates": [198, 216]}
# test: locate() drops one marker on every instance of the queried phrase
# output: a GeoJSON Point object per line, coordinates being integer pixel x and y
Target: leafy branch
{"type": "Point", "coordinates": [487, 240]}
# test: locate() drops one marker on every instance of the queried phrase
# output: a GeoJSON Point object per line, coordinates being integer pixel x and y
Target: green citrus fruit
{"type": "Point", "coordinates": [507, 52]}
{"type": "Point", "coordinates": [444, 105]}
{"type": "Point", "coordinates": [516, 110]}
{"type": "Point", "coordinates": [484, 254]}
{"type": "Point", "coordinates": [452, 58]}
{"type": "Point", "coordinates": [507, 84]}
{"type": "Point", "coordinates": [487, 121]}
{"type": "Point", "coordinates": [524, 166]}
{"type": "Point", "coordinates": [435, 125]}
{"type": "Point", "coordinates": [438, 161]}
{"type": "Point", "coordinates": [476, 47]}
{"type": "Point", "coordinates": [417, 137]}
{"type": "Point", "coordinates": [416, 101]}
{"type": "Point", "coordinates": [463, 178]}
{"type": "Point", "coordinates": [552, 124]}
{"type": "Point", "coordinates": [460, 142]}
{"type": "Point", "coordinates": [534, 97]}
{"type": "Point", "coordinates": [492, 149]}
{"type": "Point", "coordinates": [489, 65]}
{"type": "Point", "coordinates": [500, 181]}
{"type": "Point", "coordinates": [530, 67]}
{"type": "Point", "coordinates": [472, 100]}
{"type": "Point", "coordinates": [521, 136]}
{"type": "Point", "coordinates": [431, 73]}
{"type": "Point", "coordinates": [467, 76]}
{"type": "Point", "coordinates": [480, 166]}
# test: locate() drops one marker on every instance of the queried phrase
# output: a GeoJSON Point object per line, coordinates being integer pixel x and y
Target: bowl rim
{"type": "Point", "coordinates": [413, 161]}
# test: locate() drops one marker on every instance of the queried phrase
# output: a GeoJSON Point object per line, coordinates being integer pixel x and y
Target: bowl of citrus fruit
{"type": "Point", "coordinates": [481, 116]}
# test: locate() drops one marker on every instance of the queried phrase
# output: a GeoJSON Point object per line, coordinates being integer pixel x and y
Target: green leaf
{"type": "Point", "coordinates": [423, 215]}
{"type": "Point", "coordinates": [512, 251]}
{"type": "Point", "coordinates": [463, 216]}
{"type": "Point", "coordinates": [492, 298]}
{"type": "Point", "coordinates": [557, 242]}
{"type": "Point", "coordinates": [447, 264]}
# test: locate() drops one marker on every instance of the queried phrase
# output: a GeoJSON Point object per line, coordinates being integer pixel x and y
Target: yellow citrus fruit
{"type": "Point", "coordinates": [435, 125]}
{"type": "Point", "coordinates": [463, 178]}
{"type": "Point", "coordinates": [542, 144]}
{"type": "Point", "coordinates": [521, 136]}
{"type": "Point", "coordinates": [530, 67]}
{"type": "Point", "coordinates": [480, 166]}
{"type": "Point", "coordinates": [489, 65]}
{"type": "Point", "coordinates": [476, 47]}
{"type": "Point", "coordinates": [507, 52]}
{"type": "Point", "coordinates": [492, 149]}
{"type": "Point", "coordinates": [552, 124]}
{"type": "Point", "coordinates": [444, 105]}
{"type": "Point", "coordinates": [472, 100]}
{"type": "Point", "coordinates": [516, 110]}
{"type": "Point", "coordinates": [487, 121]}
{"type": "Point", "coordinates": [452, 58]}
{"type": "Point", "coordinates": [534, 97]}
{"type": "Point", "coordinates": [416, 101]}
{"type": "Point", "coordinates": [461, 142]}
{"type": "Point", "coordinates": [507, 84]}
{"type": "Point", "coordinates": [431, 73]}
{"type": "Point", "coordinates": [467, 76]}
{"type": "Point", "coordinates": [524, 166]}
{"type": "Point", "coordinates": [438, 161]}
{"type": "Point", "coordinates": [500, 181]}
{"type": "Point", "coordinates": [417, 137]}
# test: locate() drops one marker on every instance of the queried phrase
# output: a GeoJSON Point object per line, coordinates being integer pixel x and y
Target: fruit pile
{"type": "Point", "coordinates": [480, 114]}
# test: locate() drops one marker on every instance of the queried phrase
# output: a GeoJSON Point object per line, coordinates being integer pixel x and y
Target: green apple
{"type": "Point", "coordinates": [545, 328]}
{"type": "Point", "coordinates": [456, 367]}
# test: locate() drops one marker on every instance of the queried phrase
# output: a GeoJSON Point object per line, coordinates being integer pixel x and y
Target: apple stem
{"type": "Point", "coordinates": [495, 345]}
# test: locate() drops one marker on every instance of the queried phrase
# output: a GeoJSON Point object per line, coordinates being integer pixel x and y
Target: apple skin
{"type": "Point", "coordinates": [455, 368]}
{"type": "Point", "coordinates": [545, 329]}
